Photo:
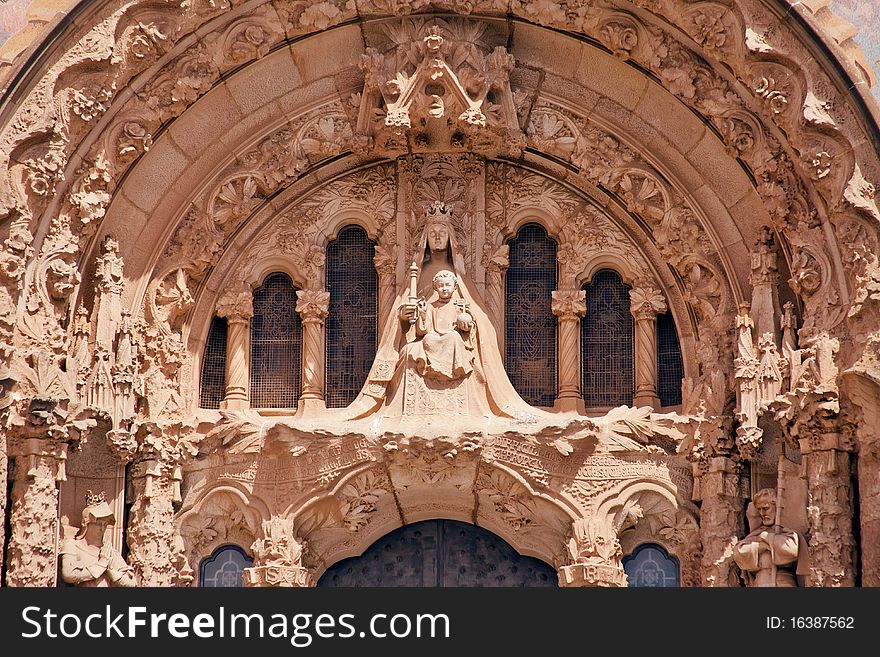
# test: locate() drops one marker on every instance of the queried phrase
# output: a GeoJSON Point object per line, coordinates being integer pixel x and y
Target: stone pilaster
{"type": "Point", "coordinates": [313, 307]}
{"type": "Point", "coordinates": [646, 303]}
{"type": "Point", "coordinates": [156, 551]}
{"type": "Point", "coordinates": [826, 447]}
{"type": "Point", "coordinates": [238, 309]}
{"type": "Point", "coordinates": [569, 306]}
{"type": "Point", "coordinates": [722, 520]}
{"type": "Point", "coordinates": [34, 539]}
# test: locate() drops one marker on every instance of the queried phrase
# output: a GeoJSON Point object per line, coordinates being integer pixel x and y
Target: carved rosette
{"type": "Point", "coordinates": [569, 306]}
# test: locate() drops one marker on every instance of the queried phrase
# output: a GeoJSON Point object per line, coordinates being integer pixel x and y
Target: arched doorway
{"type": "Point", "coordinates": [440, 553]}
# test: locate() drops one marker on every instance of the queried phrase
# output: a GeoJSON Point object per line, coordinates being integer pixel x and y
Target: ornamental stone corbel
{"type": "Point", "coordinates": [595, 555]}
{"type": "Point", "coordinates": [278, 557]}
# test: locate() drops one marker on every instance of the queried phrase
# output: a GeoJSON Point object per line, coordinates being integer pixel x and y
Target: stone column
{"type": "Point", "coordinates": [237, 307]}
{"type": "Point", "coordinates": [34, 539]}
{"type": "Point", "coordinates": [722, 520]}
{"type": "Point", "coordinates": [278, 558]}
{"type": "Point", "coordinates": [826, 444]}
{"type": "Point", "coordinates": [386, 267]}
{"type": "Point", "coordinates": [646, 303]}
{"type": "Point", "coordinates": [157, 551]}
{"type": "Point", "coordinates": [594, 551]}
{"type": "Point", "coordinates": [496, 266]}
{"type": "Point", "coordinates": [313, 307]}
{"type": "Point", "coordinates": [569, 306]}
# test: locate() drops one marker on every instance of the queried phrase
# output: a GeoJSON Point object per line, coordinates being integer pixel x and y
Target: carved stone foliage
{"type": "Point", "coordinates": [584, 230]}
{"type": "Point", "coordinates": [278, 557]}
{"type": "Point", "coordinates": [296, 233]}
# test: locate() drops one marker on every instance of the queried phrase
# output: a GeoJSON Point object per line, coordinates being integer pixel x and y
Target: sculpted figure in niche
{"type": "Point", "coordinates": [771, 555]}
{"type": "Point", "coordinates": [88, 559]}
{"type": "Point", "coordinates": [438, 354]}
{"type": "Point", "coordinates": [442, 347]}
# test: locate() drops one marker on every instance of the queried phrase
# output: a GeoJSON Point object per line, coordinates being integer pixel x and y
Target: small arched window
{"type": "Point", "coordinates": [213, 385]}
{"type": "Point", "coordinates": [351, 323]}
{"type": "Point", "coordinates": [224, 568]}
{"type": "Point", "coordinates": [529, 324]}
{"type": "Point", "coordinates": [276, 337]}
{"type": "Point", "coordinates": [651, 566]}
{"type": "Point", "coordinates": [670, 370]}
{"type": "Point", "coordinates": [607, 342]}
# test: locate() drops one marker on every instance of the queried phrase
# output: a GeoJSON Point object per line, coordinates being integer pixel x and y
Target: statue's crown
{"type": "Point", "coordinates": [93, 500]}
{"type": "Point", "coordinates": [439, 211]}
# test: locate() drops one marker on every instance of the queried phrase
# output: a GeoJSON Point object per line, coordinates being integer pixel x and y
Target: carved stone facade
{"type": "Point", "coordinates": [698, 150]}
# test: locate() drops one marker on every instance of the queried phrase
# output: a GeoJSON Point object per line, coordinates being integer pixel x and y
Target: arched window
{"type": "Point", "coordinates": [607, 342]}
{"type": "Point", "coordinates": [651, 566]}
{"type": "Point", "coordinates": [276, 336]}
{"type": "Point", "coordinates": [225, 567]}
{"type": "Point", "coordinates": [213, 387]}
{"type": "Point", "coordinates": [351, 324]}
{"type": "Point", "coordinates": [669, 367]}
{"type": "Point", "coordinates": [529, 324]}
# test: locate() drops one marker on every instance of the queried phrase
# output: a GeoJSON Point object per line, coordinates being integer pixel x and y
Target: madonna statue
{"type": "Point", "coordinates": [438, 354]}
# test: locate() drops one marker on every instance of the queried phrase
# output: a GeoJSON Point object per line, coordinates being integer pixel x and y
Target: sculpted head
{"type": "Point", "coordinates": [444, 282]}
{"type": "Point", "coordinates": [438, 236]}
{"type": "Point", "coordinates": [765, 504]}
{"type": "Point", "coordinates": [97, 513]}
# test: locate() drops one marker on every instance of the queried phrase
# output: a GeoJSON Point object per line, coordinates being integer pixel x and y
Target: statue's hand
{"type": "Point", "coordinates": [464, 322]}
{"type": "Point", "coordinates": [409, 311]}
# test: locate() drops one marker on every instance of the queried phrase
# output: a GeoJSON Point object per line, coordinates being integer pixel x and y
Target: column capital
{"type": "Point", "coordinates": [236, 303]}
{"type": "Point", "coordinates": [646, 302]}
{"type": "Point", "coordinates": [569, 304]}
{"type": "Point", "coordinates": [594, 549]}
{"type": "Point", "coordinates": [313, 305]}
{"type": "Point", "coordinates": [278, 557]}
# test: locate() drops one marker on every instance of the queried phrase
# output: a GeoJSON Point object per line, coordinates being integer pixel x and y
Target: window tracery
{"type": "Point", "coordinates": [213, 383]}
{"type": "Point", "coordinates": [276, 338]}
{"type": "Point", "coordinates": [529, 324]}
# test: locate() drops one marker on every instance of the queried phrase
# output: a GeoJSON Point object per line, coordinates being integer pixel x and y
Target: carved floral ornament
{"type": "Point", "coordinates": [714, 29]}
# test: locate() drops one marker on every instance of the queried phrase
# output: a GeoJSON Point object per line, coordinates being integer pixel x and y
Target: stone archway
{"type": "Point", "coordinates": [441, 553]}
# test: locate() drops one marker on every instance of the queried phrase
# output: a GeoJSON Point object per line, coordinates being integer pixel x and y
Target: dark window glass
{"type": "Point", "coordinates": [651, 566]}
{"type": "Point", "coordinates": [529, 324]}
{"type": "Point", "coordinates": [213, 387]}
{"type": "Point", "coordinates": [351, 324]}
{"type": "Point", "coordinates": [276, 336]}
{"type": "Point", "coordinates": [669, 367]}
{"type": "Point", "coordinates": [225, 567]}
{"type": "Point", "coordinates": [607, 342]}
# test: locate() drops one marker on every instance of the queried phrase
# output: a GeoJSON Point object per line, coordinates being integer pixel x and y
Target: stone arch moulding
{"type": "Point", "coordinates": [715, 139]}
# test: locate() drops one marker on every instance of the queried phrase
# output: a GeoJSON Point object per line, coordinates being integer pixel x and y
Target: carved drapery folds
{"type": "Point", "coordinates": [646, 302]}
